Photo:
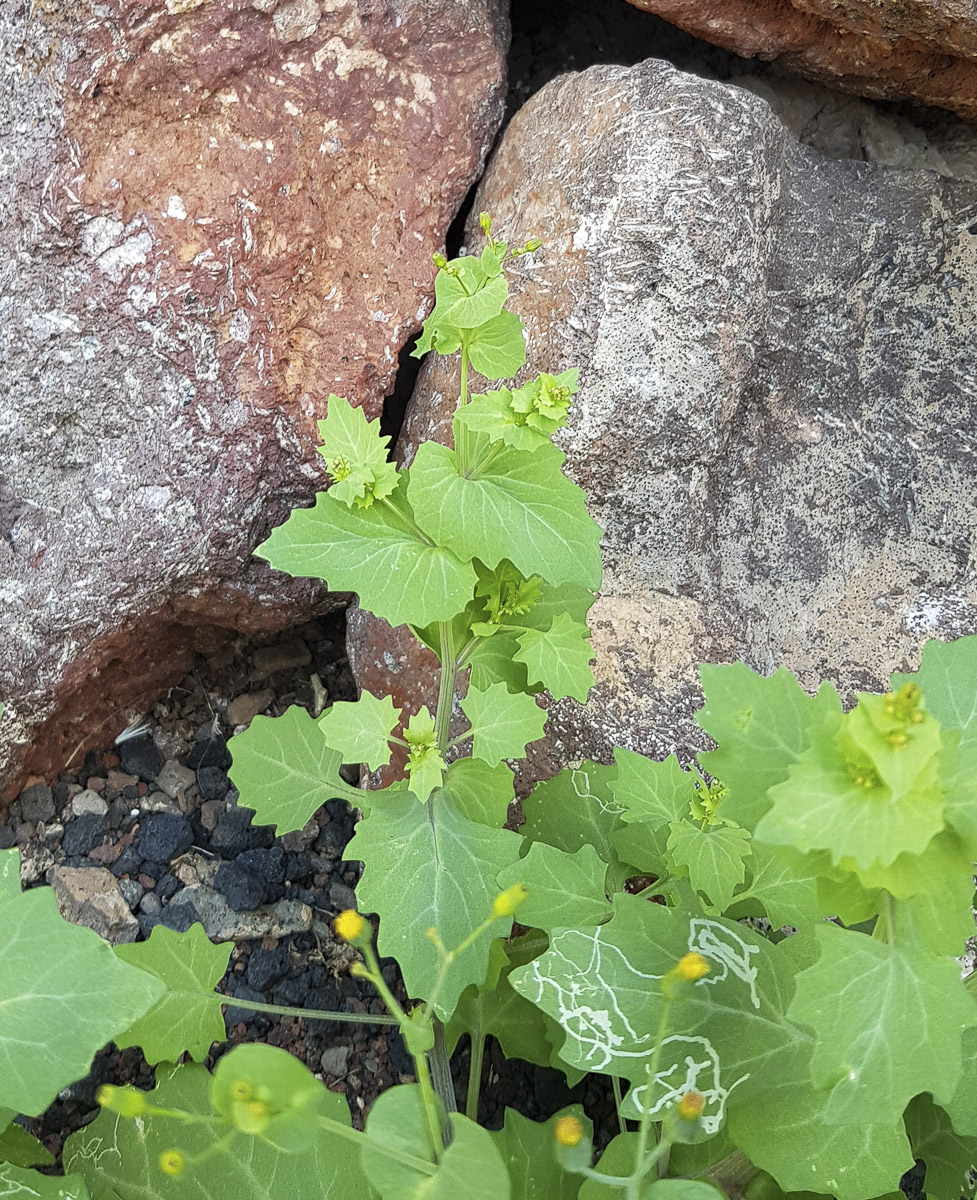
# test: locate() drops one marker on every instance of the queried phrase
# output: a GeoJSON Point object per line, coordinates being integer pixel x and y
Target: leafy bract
{"type": "Point", "coordinates": [889, 1025]}
{"type": "Point", "coordinates": [502, 722]}
{"type": "Point", "coordinates": [500, 657]}
{"type": "Point", "coordinates": [399, 572]}
{"type": "Point", "coordinates": [447, 863]}
{"type": "Point", "coordinates": [425, 763]}
{"type": "Point", "coordinates": [514, 504]}
{"type": "Point", "coordinates": [284, 769]}
{"type": "Point", "coordinates": [187, 1017]}
{"type": "Point", "coordinates": [483, 793]}
{"type": "Point", "coordinates": [714, 858]}
{"type": "Point", "coordinates": [360, 730]}
{"type": "Point", "coordinates": [290, 1100]}
{"type": "Point", "coordinates": [492, 414]}
{"type": "Point", "coordinates": [761, 725]}
{"type": "Point", "coordinates": [471, 1166]}
{"type": "Point", "coordinates": [564, 889]}
{"type": "Point", "coordinates": [527, 1148]}
{"type": "Point", "coordinates": [466, 296]}
{"type": "Point", "coordinates": [120, 1158]}
{"type": "Point", "coordinates": [356, 455]}
{"type": "Point", "coordinates": [558, 658]}
{"type": "Point", "coordinates": [61, 1005]}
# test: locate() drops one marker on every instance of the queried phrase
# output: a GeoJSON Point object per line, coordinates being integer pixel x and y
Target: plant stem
{"type": "Point", "coordinates": [446, 686]}
{"type": "Point", "coordinates": [475, 1075]}
{"type": "Point", "coordinates": [354, 1135]}
{"type": "Point", "coordinates": [411, 526]}
{"type": "Point", "coordinates": [310, 1014]}
{"type": "Point", "coordinates": [618, 1101]}
{"type": "Point", "coordinates": [641, 1164]}
{"type": "Point", "coordinates": [441, 1069]}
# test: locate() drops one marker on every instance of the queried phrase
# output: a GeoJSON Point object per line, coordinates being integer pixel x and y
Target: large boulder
{"type": "Point", "coordinates": [212, 214]}
{"type": "Point", "coordinates": [777, 397]}
{"type": "Point", "coordinates": [922, 50]}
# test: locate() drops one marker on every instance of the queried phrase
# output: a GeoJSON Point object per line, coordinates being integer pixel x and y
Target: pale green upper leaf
{"type": "Point", "coordinates": [761, 725]}
{"type": "Point", "coordinates": [456, 307]}
{"type": "Point", "coordinates": [447, 864]}
{"type": "Point", "coordinates": [359, 730]}
{"type": "Point", "coordinates": [285, 770]}
{"type": "Point", "coordinates": [497, 349]}
{"type": "Point", "coordinates": [63, 995]}
{"type": "Point", "coordinates": [425, 763]}
{"type": "Point", "coordinates": [558, 658]}
{"type": "Point", "coordinates": [120, 1157]}
{"type": "Point", "coordinates": [518, 505]}
{"type": "Point", "coordinates": [565, 890]}
{"type": "Point", "coordinates": [502, 722]}
{"type": "Point", "coordinates": [825, 805]}
{"type": "Point", "coordinates": [187, 1017]}
{"type": "Point", "coordinates": [889, 1024]}
{"type": "Point", "coordinates": [399, 573]}
{"type": "Point", "coordinates": [714, 858]}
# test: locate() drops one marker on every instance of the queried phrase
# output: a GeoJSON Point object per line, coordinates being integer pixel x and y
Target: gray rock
{"type": "Point", "coordinates": [37, 803]}
{"type": "Point", "coordinates": [89, 802]}
{"type": "Point", "coordinates": [341, 897]}
{"type": "Point", "coordinates": [91, 896]}
{"type": "Point", "coordinates": [334, 1061]}
{"type": "Point", "coordinates": [223, 924]}
{"type": "Point", "coordinates": [777, 359]}
{"type": "Point", "coordinates": [175, 779]}
{"type": "Point", "coordinates": [132, 892]}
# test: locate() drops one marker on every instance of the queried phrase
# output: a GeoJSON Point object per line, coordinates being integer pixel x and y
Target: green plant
{"type": "Point", "coordinates": [757, 950]}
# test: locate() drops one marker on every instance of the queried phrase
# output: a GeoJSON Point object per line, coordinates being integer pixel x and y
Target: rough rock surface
{"type": "Point", "coordinates": [922, 50]}
{"type": "Point", "coordinates": [212, 214]}
{"type": "Point", "coordinates": [777, 400]}
{"type": "Point", "coordinates": [91, 896]}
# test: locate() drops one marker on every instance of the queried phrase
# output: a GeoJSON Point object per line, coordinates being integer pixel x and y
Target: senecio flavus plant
{"type": "Point", "coordinates": [757, 950]}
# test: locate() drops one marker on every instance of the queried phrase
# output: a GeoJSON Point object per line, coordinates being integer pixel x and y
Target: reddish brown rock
{"type": "Point", "coordinates": [774, 423]}
{"type": "Point", "coordinates": [921, 50]}
{"type": "Point", "coordinates": [213, 213]}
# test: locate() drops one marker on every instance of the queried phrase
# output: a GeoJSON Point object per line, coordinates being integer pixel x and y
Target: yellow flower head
{"type": "Point", "coordinates": [349, 925]}
{"type": "Point", "coordinates": [172, 1162]}
{"type": "Point", "coordinates": [691, 1105]}
{"type": "Point", "coordinates": [506, 903]}
{"type": "Point", "coordinates": [568, 1131]}
{"type": "Point", "coordinates": [692, 966]}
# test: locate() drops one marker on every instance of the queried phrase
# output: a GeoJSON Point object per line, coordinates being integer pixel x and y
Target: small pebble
{"type": "Point", "coordinates": [163, 837]}
{"type": "Point", "coordinates": [140, 757]}
{"type": "Point", "coordinates": [89, 802]}
{"type": "Point", "coordinates": [37, 803]}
